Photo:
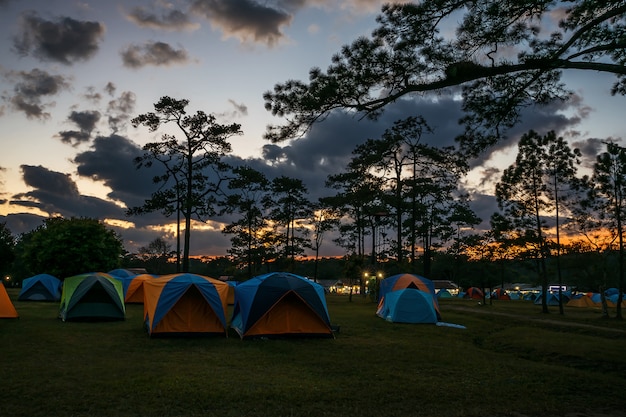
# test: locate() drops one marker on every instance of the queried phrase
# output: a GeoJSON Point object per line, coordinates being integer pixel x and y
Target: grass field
{"type": "Point", "coordinates": [511, 360]}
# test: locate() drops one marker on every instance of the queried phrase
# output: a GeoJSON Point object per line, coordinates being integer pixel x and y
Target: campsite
{"type": "Point", "coordinates": [509, 360]}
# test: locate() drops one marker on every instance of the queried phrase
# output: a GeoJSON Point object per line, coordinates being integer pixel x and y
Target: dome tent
{"type": "Point", "coordinates": [185, 304]}
{"type": "Point", "coordinates": [402, 281]}
{"type": "Point", "coordinates": [408, 305]}
{"type": "Point", "coordinates": [7, 309]}
{"type": "Point", "coordinates": [42, 287]}
{"type": "Point", "coordinates": [92, 297]}
{"type": "Point", "coordinates": [280, 304]}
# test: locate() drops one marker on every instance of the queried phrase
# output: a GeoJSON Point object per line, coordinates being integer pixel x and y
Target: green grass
{"type": "Point", "coordinates": [510, 359]}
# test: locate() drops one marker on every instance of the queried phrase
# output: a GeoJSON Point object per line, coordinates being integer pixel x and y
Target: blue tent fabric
{"type": "Point", "coordinates": [42, 287]}
{"type": "Point", "coordinates": [408, 305]}
{"type": "Point", "coordinates": [176, 287]}
{"type": "Point", "coordinates": [258, 295]}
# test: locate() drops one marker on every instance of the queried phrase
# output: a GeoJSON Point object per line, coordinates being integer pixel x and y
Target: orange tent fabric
{"type": "Point", "coordinates": [134, 292]}
{"type": "Point", "coordinates": [7, 309]}
{"type": "Point", "coordinates": [185, 304]}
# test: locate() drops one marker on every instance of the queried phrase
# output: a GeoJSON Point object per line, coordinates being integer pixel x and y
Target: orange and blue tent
{"type": "Point", "coordinates": [7, 309]}
{"type": "Point", "coordinates": [41, 287]}
{"type": "Point", "coordinates": [280, 304]}
{"type": "Point", "coordinates": [402, 281]}
{"type": "Point", "coordinates": [134, 290]}
{"type": "Point", "coordinates": [185, 304]}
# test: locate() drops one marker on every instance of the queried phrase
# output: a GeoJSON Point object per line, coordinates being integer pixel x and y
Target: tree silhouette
{"type": "Point", "coordinates": [193, 165]}
{"type": "Point", "coordinates": [496, 53]}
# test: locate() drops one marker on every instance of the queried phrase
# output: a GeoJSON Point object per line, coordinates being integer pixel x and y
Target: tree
{"type": "Point", "coordinates": [194, 166]}
{"type": "Point", "coordinates": [609, 195]}
{"type": "Point", "coordinates": [65, 247]}
{"type": "Point", "coordinates": [248, 187]}
{"type": "Point", "coordinates": [7, 249]}
{"type": "Point", "coordinates": [324, 220]}
{"type": "Point", "coordinates": [521, 194]}
{"type": "Point", "coordinates": [288, 209]}
{"type": "Point", "coordinates": [560, 175]}
{"type": "Point", "coordinates": [497, 54]}
{"type": "Point", "coordinates": [156, 256]}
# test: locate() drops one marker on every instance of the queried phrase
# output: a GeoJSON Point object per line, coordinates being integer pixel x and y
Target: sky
{"type": "Point", "coordinates": [74, 73]}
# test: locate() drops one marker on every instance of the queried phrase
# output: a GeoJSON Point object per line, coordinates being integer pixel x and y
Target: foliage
{"type": "Point", "coordinates": [193, 167]}
{"type": "Point", "coordinates": [250, 231]}
{"type": "Point", "coordinates": [7, 249]}
{"type": "Point", "coordinates": [65, 247]}
{"type": "Point", "coordinates": [495, 51]}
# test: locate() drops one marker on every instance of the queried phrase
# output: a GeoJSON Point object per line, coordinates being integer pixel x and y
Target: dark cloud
{"type": "Point", "coordinates": [65, 40]}
{"type": "Point", "coordinates": [29, 89]}
{"type": "Point", "coordinates": [110, 88]}
{"type": "Point", "coordinates": [19, 223]}
{"type": "Point", "coordinates": [73, 137]}
{"type": "Point", "coordinates": [85, 120]}
{"type": "Point", "coordinates": [247, 20]}
{"type": "Point", "coordinates": [56, 193]}
{"type": "Point", "coordinates": [110, 161]}
{"type": "Point", "coordinates": [153, 53]}
{"type": "Point", "coordinates": [167, 20]}
{"type": "Point", "coordinates": [120, 109]}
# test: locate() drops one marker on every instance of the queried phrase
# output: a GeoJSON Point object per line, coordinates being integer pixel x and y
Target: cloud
{"type": "Point", "coordinates": [246, 20]}
{"type": "Point", "coordinates": [65, 40]}
{"type": "Point", "coordinates": [120, 109]}
{"type": "Point", "coordinates": [29, 89]}
{"type": "Point", "coordinates": [55, 193]}
{"type": "Point", "coordinates": [86, 122]}
{"type": "Point", "coordinates": [153, 53]}
{"type": "Point", "coordinates": [166, 20]}
{"type": "Point", "coordinates": [110, 161]}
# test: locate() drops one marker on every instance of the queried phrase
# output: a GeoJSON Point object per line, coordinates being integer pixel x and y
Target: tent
{"type": "Point", "coordinates": [443, 293]}
{"type": "Point", "coordinates": [408, 305]}
{"type": "Point", "coordinates": [7, 309]}
{"type": "Point", "coordinates": [231, 291]}
{"type": "Point", "coordinates": [583, 301]}
{"type": "Point", "coordinates": [500, 294]}
{"type": "Point", "coordinates": [122, 273]}
{"type": "Point", "coordinates": [551, 300]}
{"type": "Point", "coordinates": [280, 304]}
{"type": "Point", "coordinates": [92, 297]}
{"type": "Point", "coordinates": [401, 281]}
{"type": "Point", "coordinates": [474, 293]}
{"type": "Point", "coordinates": [42, 287]}
{"type": "Point", "coordinates": [185, 304]}
{"type": "Point", "coordinates": [134, 288]}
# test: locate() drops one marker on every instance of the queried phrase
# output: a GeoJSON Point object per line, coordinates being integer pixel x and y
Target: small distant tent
{"type": "Point", "coordinates": [92, 297]}
{"type": "Point", "coordinates": [583, 301]}
{"type": "Point", "coordinates": [7, 309]}
{"type": "Point", "coordinates": [500, 294]}
{"type": "Point", "coordinates": [551, 300]}
{"type": "Point", "coordinates": [443, 293]}
{"type": "Point", "coordinates": [42, 287]}
{"type": "Point", "coordinates": [134, 291]}
{"type": "Point", "coordinates": [185, 304]}
{"type": "Point", "coordinates": [474, 293]}
{"type": "Point", "coordinates": [408, 305]}
{"type": "Point", "coordinates": [401, 281]}
{"type": "Point", "coordinates": [280, 304]}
